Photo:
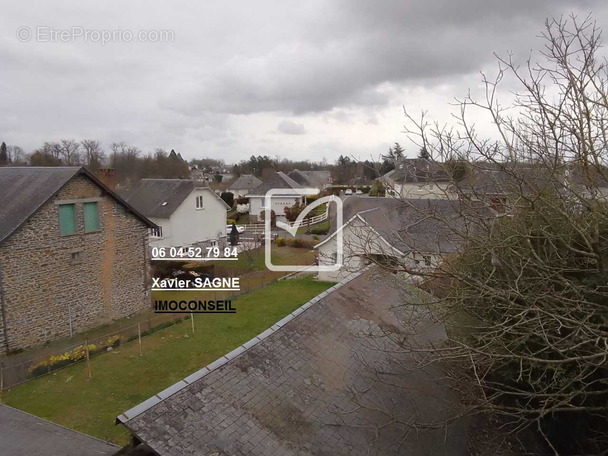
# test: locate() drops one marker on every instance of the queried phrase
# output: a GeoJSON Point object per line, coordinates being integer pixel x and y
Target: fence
{"type": "Point", "coordinates": [16, 370]}
{"type": "Point", "coordinates": [312, 220]}
{"type": "Point", "coordinates": [256, 228]}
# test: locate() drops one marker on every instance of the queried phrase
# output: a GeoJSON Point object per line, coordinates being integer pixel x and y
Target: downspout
{"type": "Point", "coordinates": [2, 301]}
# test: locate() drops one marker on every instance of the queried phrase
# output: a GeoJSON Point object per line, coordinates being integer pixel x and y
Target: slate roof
{"type": "Point", "coordinates": [418, 225]}
{"type": "Point", "coordinates": [419, 170]}
{"type": "Point", "coordinates": [290, 390]}
{"type": "Point", "coordinates": [319, 177]}
{"type": "Point", "coordinates": [300, 178]}
{"type": "Point", "coordinates": [316, 179]}
{"type": "Point", "coordinates": [23, 190]}
{"type": "Point", "coordinates": [497, 180]}
{"type": "Point", "coordinates": [23, 434]}
{"type": "Point", "coordinates": [246, 181]}
{"type": "Point", "coordinates": [160, 198]}
{"type": "Point", "coordinates": [277, 180]}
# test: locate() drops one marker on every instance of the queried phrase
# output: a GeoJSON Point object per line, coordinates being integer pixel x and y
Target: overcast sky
{"type": "Point", "coordinates": [298, 80]}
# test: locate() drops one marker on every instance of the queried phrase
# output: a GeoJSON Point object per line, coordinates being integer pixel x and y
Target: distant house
{"type": "Point", "coordinates": [389, 230]}
{"type": "Point", "coordinates": [313, 179]}
{"type": "Point", "coordinates": [500, 185]}
{"type": "Point", "coordinates": [587, 181]}
{"type": "Point", "coordinates": [185, 211]}
{"type": "Point", "coordinates": [73, 255]}
{"type": "Point", "coordinates": [244, 184]}
{"type": "Point", "coordinates": [257, 196]}
{"type": "Point", "coordinates": [417, 178]}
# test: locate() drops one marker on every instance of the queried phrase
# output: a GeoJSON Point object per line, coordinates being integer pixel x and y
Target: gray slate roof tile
{"type": "Point", "coordinates": [285, 394]}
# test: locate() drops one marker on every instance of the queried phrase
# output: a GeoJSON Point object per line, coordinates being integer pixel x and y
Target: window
{"type": "Point", "coordinates": [75, 256]}
{"type": "Point", "coordinates": [91, 217]}
{"type": "Point", "coordinates": [427, 260]}
{"type": "Point", "coordinates": [199, 202]}
{"type": "Point", "coordinates": [157, 232]}
{"type": "Point", "coordinates": [67, 220]}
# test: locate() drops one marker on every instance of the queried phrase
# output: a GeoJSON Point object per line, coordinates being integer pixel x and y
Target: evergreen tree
{"type": "Point", "coordinates": [3, 155]}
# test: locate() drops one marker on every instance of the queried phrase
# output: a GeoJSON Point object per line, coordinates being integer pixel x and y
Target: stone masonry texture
{"type": "Point", "coordinates": [47, 295]}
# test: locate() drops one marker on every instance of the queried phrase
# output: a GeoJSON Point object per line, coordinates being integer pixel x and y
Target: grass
{"type": "Point", "coordinates": [253, 260]}
{"type": "Point", "coordinates": [122, 379]}
{"type": "Point", "coordinates": [321, 228]}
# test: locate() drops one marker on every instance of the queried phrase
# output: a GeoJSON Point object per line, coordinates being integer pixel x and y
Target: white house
{"type": "Point", "coordinates": [185, 212]}
{"type": "Point", "coordinates": [418, 178]}
{"type": "Point", "coordinates": [279, 202]}
{"type": "Point", "coordinates": [244, 185]}
{"type": "Point", "coordinates": [394, 231]}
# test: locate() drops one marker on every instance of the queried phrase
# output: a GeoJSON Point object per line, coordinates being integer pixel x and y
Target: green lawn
{"type": "Point", "coordinates": [123, 379]}
{"type": "Point", "coordinates": [323, 226]}
{"type": "Point", "coordinates": [254, 260]}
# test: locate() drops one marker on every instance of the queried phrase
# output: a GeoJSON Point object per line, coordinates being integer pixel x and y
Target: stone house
{"type": "Point", "coordinates": [73, 255]}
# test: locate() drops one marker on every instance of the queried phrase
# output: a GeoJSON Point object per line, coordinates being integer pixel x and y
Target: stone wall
{"type": "Point", "coordinates": [48, 295]}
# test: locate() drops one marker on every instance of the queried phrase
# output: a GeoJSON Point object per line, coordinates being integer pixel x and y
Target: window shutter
{"type": "Point", "coordinates": [91, 217]}
{"type": "Point", "coordinates": [67, 221]}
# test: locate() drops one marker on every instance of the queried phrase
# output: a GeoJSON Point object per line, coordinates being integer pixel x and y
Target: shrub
{"type": "Point", "coordinates": [281, 242]}
{"type": "Point", "coordinates": [315, 238]}
{"type": "Point", "coordinates": [319, 230]}
{"type": "Point", "coordinates": [76, 354]}
{"type": "Point", "coordinates": [228, 198]}
{"type": "Point", "coordinates": [273, 218]}
{"type": "Point", "coordinates": [296, 242]}
{"type": "Point", "coordinates": [230, 221]}
{"type": "Point", "coordinates": [299, 243]}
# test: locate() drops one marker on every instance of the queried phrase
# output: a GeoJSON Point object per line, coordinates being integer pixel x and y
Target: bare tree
{"type": "Point", "coordinates": [93, 153]}
{"type": "Point", "coordinates": [16, 155]}
{"type": "Point", "coordinates": [69, 151]}
{"type": "Point", "coordinates": [525, 297]}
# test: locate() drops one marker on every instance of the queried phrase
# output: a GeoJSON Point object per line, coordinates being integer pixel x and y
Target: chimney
{"type": "Point", "coordinates": [107, 176]}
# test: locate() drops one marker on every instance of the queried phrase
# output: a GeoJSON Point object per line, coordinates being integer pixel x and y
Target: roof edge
{"type": "Point", "coordinates": [133, 412]}
{"type": "Point", "coordinates": [115, 195]}
{"type": "Point", "coordinates": [80, 170]}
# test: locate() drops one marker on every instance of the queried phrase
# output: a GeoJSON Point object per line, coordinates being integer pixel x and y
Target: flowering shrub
{"type": "Point", "coordinates": [72, 356]}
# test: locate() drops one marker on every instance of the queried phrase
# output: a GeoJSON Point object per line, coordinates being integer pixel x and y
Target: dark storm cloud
{"type": "Point", "coordinates": [356, 46]}
{"type": "Point", "coordinates": [236, 70]}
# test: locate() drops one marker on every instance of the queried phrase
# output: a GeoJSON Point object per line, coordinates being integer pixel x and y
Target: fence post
{"type": "Point", "coordinates": [192, 320]}
{"type": "Point", "coordinates": [86, 346]}
{"type": "Point", "coordinates": [139, 336]}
